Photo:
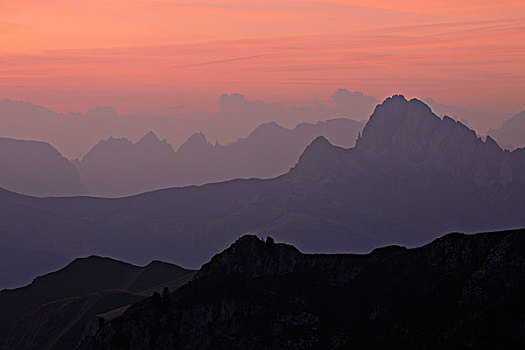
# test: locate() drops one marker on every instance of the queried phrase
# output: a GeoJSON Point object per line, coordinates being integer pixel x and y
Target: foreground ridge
{"type": "Point", "coordinates": [458, 291]}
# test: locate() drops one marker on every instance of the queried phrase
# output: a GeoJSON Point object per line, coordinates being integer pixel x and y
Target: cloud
{"type": "Point", "coordinates": [226, 60]}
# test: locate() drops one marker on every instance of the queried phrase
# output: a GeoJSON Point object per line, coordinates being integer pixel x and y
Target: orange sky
{"type": "Point", "coordinates": [151, 55]}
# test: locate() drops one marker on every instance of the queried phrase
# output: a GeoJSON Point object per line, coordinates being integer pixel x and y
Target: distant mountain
{"type": "Point", "coordinates": [269, 151]}
{"type": "Point", "coordinates": [458, 292]}
{"type": "Point", "coordinates": [117, 167]}
{"type": "Point", "coordinates": [37, 169]}
{"type": "Point", "coordinates": [56, 309]}
{"type": "Point", "coordinates": [511, 134]}
{"type": "Point", "coordinates": [74, 133]}
{"type": "Point", "coordinates": [411, 177]}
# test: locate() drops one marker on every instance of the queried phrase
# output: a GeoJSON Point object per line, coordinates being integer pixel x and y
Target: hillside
{"type": "Point", "coordinates": [57, 308]}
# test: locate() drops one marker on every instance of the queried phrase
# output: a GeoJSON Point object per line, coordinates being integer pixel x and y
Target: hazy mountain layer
{"type": "Point", "coordinates": [117, 167]}
{"type": "Point", "coordinates": [37, 169]}
{"type": "Point", "coordinates": [75, 133]}
{"type": "Point", "coordinates": [459, 291]}
{"type": "Point", "coordinates": [411, 177]}
{"type": "Point", "coordinates": [511, 134]}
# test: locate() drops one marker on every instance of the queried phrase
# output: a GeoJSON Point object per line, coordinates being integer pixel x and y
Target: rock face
{"type": "Point", "coordinates": [409, 131]}
{"type": "Point", "coordinates": [37, 169]}
{"type": "Point", "coordinates": [459, 291]}
{"type": "Point", "coordinates": [58, 309]}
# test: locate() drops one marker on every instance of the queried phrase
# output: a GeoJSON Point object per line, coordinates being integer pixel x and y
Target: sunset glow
{"type": "Point", "coordinates": [151, 55]}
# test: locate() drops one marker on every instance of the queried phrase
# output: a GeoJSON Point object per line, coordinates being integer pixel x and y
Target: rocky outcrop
{"type": "Point", "coordinates": [459, 291]}
{"type": "Point", "coordinates": [409, 131]}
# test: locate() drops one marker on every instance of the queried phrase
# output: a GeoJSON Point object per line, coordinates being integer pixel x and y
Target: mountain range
{"type": "Point", "coordinates": [459, 291]}
{"type": "Point", "coordinates": [118, 167]}
{"type": "Point", "coordinates": [235, 116]}
{"type": "Point", "coordinates": [411, 177]}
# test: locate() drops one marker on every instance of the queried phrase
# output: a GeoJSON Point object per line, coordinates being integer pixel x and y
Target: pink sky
{"type": "Point", "coordinates": [152, 55]}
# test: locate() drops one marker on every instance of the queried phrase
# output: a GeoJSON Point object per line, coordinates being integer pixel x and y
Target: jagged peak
{"type": "Point", "coordinates": [489, 141]}
{"type": "Point", "coordinates": [397, 115]}
{"type": "Point", "coordinates": [149, 137]}
{"type": "Point", "coordinates": [317, 152]}
{"type": "Point", "coordinates": [252, 256]}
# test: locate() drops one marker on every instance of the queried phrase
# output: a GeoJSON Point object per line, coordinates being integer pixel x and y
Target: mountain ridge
{"type": "Point", "coordinates": [459, 291]}
{"type": "Point", "coordinates": [73, 295]}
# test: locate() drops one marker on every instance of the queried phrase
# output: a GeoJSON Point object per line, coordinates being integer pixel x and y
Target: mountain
{"type": "Point", "coordinates": [18, 267]}
{"type": "Point", "coordinates": [117, 167]}
{"type": "Point", "coordinates": [269, 151]}
{"type": "Point", "coordinates": [56, 309]}
{"type": "Point", "coordinates": [75, 133]}
{"type": "Point", "coordinates": [460, 291]}
{"type": "Point", "coordinates": [511, 134]}
{"type": "Point", "coordinates": [411, 177]}
{"type": "Point", "coordinates": [37, 169]}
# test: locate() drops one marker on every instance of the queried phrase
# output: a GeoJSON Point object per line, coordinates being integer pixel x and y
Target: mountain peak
{"type": "Point", "coordinates": [269, 127]}
{"type": "Point", "coordinates": [252, 256]}
{"type": "Point", "coordinates": [399, 126]}
{"type": "Point", "coordinates": [197, 141]}
{"type": "Point", "coordinates": [149, 138]}
{"type": "Point", "coordinates": [150, 142]}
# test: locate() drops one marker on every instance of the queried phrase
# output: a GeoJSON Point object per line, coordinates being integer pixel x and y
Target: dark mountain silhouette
{"type": "Point", "coordinates": [460, 291]}
{"type": "Point", "coordinates": [511, 134]}
{"type": "Point", "coordinates": [37, 169]}
{"type": "Point", "coordinates": [411, 177]}
{"type": "Point", "coordinates": [18, 267]}
{"type": "Point", "coordinates": [117, 167]}
{"type": "Point", "coordinates": [56, 309]}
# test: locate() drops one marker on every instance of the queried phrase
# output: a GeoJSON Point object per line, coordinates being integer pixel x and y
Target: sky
{"type": "Point", "coordinates": [147, 55]}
